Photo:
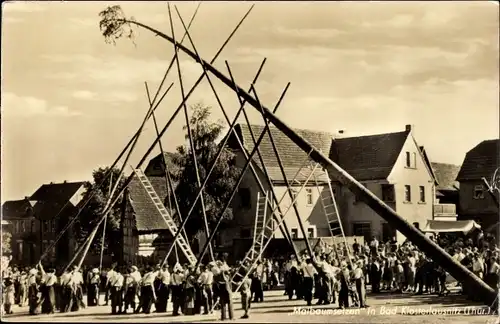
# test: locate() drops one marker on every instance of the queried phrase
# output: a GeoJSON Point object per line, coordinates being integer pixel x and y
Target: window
{"type": "Point", "coordinates": [414, 160]}
{"type": "Point", "coordinates": [310, 232]}
{"type": "Point", "coordinates": [388, 193]}
{"type": "Point", "coordinates": [422, 194]}
{"type": "Point", "coordinates": [411, 160]}
{"type": "Point", "coordinates": [407, 193]}
{"type": "Point", "coordinates": [295, 233]}
{"type": "Point", "coordinates": [16, 226]}
{"type": "Point", "coordinates": [408, 160]}
{"type": "Point", "coordinates": [245, 198]}
{"type": "Point", "coordinates": [309, 196]}
{"type": "Point", "coordinates": [479, 192]}
{"type": "Point", "coordinates": [356, 199]}
{"type": "Point", "coordinates": [387, 232]}
{"type": "Point", "coordinates": [362, 229]}
{"type": "Point", "coordinates": [23, 226]}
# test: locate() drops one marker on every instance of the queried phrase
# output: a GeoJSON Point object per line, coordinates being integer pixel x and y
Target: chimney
{"type": "Point", "coordinates": [340, 134]}
{"type": "Point", "coordinates": [409, 128]}
{"type": "Point", "coordinates": [64, 181]}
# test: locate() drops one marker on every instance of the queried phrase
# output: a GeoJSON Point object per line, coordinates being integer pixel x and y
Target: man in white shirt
{"type": "Point", "coordinates": [308, 272]}
{"type": "Point", "coordinates": [77, 282]}
{"type": "Point", "coordinates": [205, 280]}
{"type": "Point", "coordinates": [148, 295]}
{"type": "Point", "coordinates": [374, 246]}
{"type": "Point", "coordinates": [291, 276]}
{"type": "Point", "coordinates": [116, 292]}
{"type": "Point", "coordinates": [258, 290]}
{"type": "Point", "coordinates": [359, 280]}
{"type": "Point", "coordinates": [163, 291]}
{"type": "Point", "coordinates": [109, 275]}
{"type": "Point", "coordinates": [176, 281]}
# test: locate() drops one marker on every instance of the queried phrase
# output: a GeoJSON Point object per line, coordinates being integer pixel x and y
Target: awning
{"type": "Point", "coordinates": [449, 227]}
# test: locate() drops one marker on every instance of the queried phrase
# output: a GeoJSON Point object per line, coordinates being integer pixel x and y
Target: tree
{"type": "Point", "coordinates": [221, 181]}
{"type": "Point", "coordinates": [93, 212]}
{"type": "Point", "coordinates": [6, 243]}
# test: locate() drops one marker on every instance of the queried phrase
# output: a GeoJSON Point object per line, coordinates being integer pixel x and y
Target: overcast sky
{"type": "Point", "coordinates": [70, 102]}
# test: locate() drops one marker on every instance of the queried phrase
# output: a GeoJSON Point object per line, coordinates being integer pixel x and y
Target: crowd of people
{"type": "Point", "coordinates": [336, 275]}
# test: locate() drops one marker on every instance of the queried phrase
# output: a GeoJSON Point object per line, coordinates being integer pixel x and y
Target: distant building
{"type": "Point", "coordinates": [475, 202]}
{"type": "Point", "coordinates": [36, 221]}
{"type": "Point", "coordinates": [447, 191]}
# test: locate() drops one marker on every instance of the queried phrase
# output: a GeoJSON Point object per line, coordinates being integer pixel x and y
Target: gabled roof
{"type": "Point", "coordinates": [52, 198]}
{"type": "Point", "coordinates": [291, 155]}
{"type": "Point", "coordinates": [147, 217]}
{"type": "Point", "coordinates": [156, 167]}
{"type": "Point", "coordinates": [428, 164]}
{"type": "Point", "coordinates": [13, 209]}
{"type": "Point", "coordinates": [57, 192]}
{"type": "Point", "coordinates": [369, 157]}
{"type": "Point", "coordinates": [481, 161]}
{"type": "Point", "coordinates": [446, 175]}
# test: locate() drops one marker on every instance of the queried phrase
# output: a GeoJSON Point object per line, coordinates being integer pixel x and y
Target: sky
{"type": "Point", "coordinates": [70, 102]}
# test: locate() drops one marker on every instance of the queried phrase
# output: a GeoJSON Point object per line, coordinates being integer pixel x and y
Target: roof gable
{"type": "Point", "coordinates": [446, 175]}
{"type": "Point", "coordinates": [369, 157]}
{"type": "Point", "coordinates": [156, 167]}
{"type": "Point", "coordinates": [481, 161]}
{"type": "Point", "coordinates": [427, 161]}
{"type": "Point", "coordinates": [16, 209]}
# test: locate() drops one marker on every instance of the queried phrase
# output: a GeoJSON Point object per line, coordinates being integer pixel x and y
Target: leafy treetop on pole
{"type": "Point", "coordinates": [115, 25]}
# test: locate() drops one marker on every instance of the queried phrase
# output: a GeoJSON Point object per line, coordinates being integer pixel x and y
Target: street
{"type": "Point", "coordinates": [276, 308]}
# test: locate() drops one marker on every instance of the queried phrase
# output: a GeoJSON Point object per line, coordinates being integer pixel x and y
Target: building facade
{"type": "Point", "coordinates": [35, 222]}
{"type": "Point", "coordinates": [476, 203]}
{"type": "Point", "coordinates": [393, 166]}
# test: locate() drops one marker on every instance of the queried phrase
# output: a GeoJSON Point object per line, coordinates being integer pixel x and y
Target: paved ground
{"type": "Point", "coordinates": [384, 308]}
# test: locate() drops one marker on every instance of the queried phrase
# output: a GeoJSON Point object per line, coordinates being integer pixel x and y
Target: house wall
{"type": "Point", "coordinates": [483, 210]}
{"type": "Point", "coordinates": [31, 237]}
{"type": "Point", "coordinates": [243, 216]}
{"type": "Point", "coordinates": [312, 215]}
{"type": "Point", "coordinates": [130, 237]}
{"type": "Point", "coordinates": [357, 212]}
{"type": "Point", "coordinates": [418, 175]}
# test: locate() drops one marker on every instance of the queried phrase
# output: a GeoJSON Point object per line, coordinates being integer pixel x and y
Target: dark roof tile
{"type": "Point", "coordinates": [146, 215]}
{"type": "Point", "coordinates": [446, 175]}
{"type": "Point", "coordinates": [481, 161]}
{"type": "Point", "coordinates": [16, 209]}
{"type": "Point", "coordinates": [368, 157]}
{"type": "Point", "coordinates": [57, 192]}
{"type": "Point", "coordinates": [291, 155]}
